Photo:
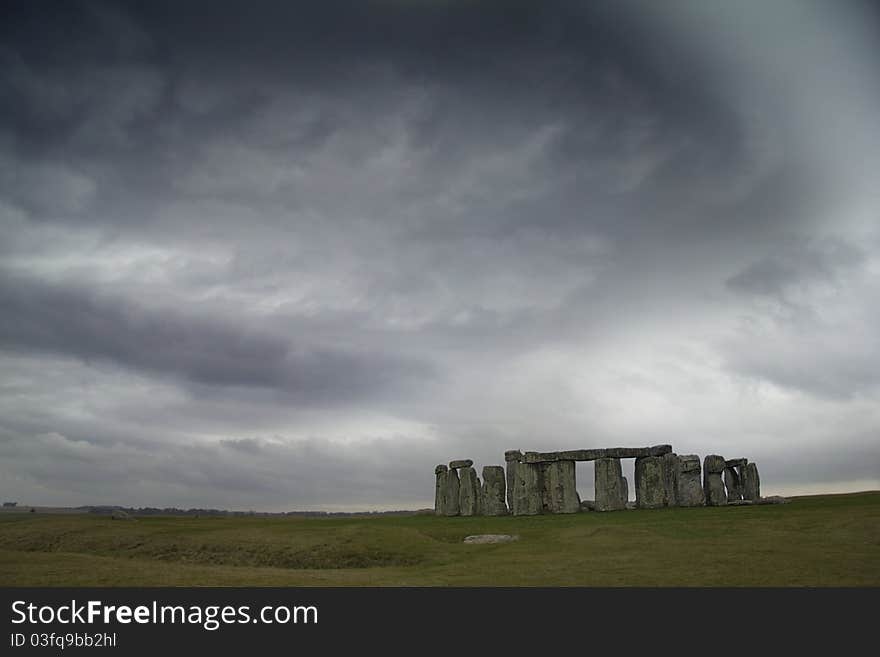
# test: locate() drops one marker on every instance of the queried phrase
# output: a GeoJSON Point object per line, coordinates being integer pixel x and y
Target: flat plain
{"type": "Point", "coordinates": [828, 540]}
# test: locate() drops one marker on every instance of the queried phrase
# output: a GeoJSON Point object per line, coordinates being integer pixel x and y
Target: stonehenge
{"type": "Point", "coordinates": [535, 483]}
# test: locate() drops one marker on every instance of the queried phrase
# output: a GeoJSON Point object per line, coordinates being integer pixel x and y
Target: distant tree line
{"type": "Point", "coordinates": [174, 511]}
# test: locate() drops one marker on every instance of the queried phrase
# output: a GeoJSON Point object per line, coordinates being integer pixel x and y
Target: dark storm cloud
{"type": "Point", "coordinates": [85, 325]}
{"type": "Point", "coordinates": [303, 252]}
{"type": "Point", "coordinates": [137, 93]}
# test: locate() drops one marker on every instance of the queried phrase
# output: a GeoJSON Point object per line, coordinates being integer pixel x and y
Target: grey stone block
{"type": "Point", "coordinates": [440, 491]}
{"type": "Point", "coordinates": [610, 485]}
{"type": "Point", "coordinates": [528, 490]}
{"type": "Point", "coordinates": [452, 493]}
{"type": "Point", "coordinates": [494, 491]}
{"type": "Point", "coordinates": [751, 482]}
{"type": "Point", "coordinates": [468, 492]}
{"type": "Point", "coordinates": [670, 478]}
{"type": "Point", "coordinates": [650, 484]}
{"type": "Point", "coordinates": [714, 464]}
{"type": "Point", "coordinates": [593, 454]}
{"type": "Point", "coordinates": [559, 491]}
{"type": "Point", "coordinates": [689, 484]}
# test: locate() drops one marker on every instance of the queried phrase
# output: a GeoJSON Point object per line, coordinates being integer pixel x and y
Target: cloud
{"type": "Point", "coordinates": [298, 257]}
{"type": "Point", "coordinates": [203, 350]}
{"type": "Point", "coordinates": [797, 266]}
{"type": "Point", "coordinates": [807, 327]}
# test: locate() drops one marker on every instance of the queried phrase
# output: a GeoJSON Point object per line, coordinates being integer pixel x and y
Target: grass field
{"type": "Point", "coordinates": [831, 540]}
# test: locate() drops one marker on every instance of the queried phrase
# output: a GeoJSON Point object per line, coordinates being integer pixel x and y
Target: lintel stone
{"type": "Point", "coordinates": [593, 454]}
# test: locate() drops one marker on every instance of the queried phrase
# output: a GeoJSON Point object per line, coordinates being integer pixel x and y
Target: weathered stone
{"type": "Point", "coordinates": [478, 507]}
{"type": "Point", "coordinates": [689, 463]}
{"type": "Point", "coordinates": [735, 463]}
{"type": "Point", "coordinates": [714, 464]}
{"type": "Point", "coordinates": [441, 468]}
{"type": "Point", "coordinates": [751, 482]}
{"type": "Point", "coordinates": [512, 457]}
{"type": "Point", "coordinates": [462, 463]}
{"type": "Point", "coordinates": [440, 490]}
{"type": "Point", "coordinates": [468, 492]}
{"type": "Point", "coordinates": [593, 454]}
{"type": "Point", "coordinates": [559, 491]}
{"type": "Point", "coordinates": [733, 484]}
{"type": "Point", "coordinates": [479, 539]}
{"type": "Point", "coordinates": [631, 505]}
{"type": "Point", "coordinates": [452, 491]}
{"type": "Point", "coordinates": [689, 484]}
{"type": "Point", "coordinates": [713, 486]}
{"type": "Point", "coordinates": [494, 490]}
{"type": "Point", "coordinates": [588, 505]}
{"type": "Point", "coordinates": [670, 478]}
{"type": "Point", "coordinates": [610, 485]}
{"type": "Point", "coordinates": [650, 485]}
{"type": "Point", "coordinates": [739, 502]}
{"type": "Point", "coordinates": [511, 482]}
{"type": "Point", "coordinates": [527, 490]}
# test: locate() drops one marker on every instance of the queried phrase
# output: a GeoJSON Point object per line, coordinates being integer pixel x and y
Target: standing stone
{"type": "Point", "coordinates": [751, 482]}
{"type": "Point", "coordinates": [452, 486]}
{"type": "Point", "coordinates": [559, 493]}
{"type": "Point", "coordinates": [461, 463]}
{"type": "Point", "coordinates": [512, 457]}
{"type": "Point", "coordinates": [468, 491]}
{"type": "Point", "coordinates": [442, 473]}
{"type": "Point", "coordinates": [527, 490]}
{"type": "Point", "coordinates": [670, 478]}
{"type": "Point", "coordinates": [713, 486]}
{"type": "Point", "coordinates": [494, 489]}
{"type": "Point", "coordinates": [650, 484]}
{"type": "Point", "coordinates": [611, 487]}
{"type": "Point", "coordinates": [733, 484]}
{"type": "Point", "coordinates": [689, 488]}
{"type": "Point", "coordinates": [478, 510]}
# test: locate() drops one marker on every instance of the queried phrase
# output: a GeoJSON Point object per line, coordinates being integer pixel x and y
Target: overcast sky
{"type": "Point", "coordinates": [276, 256]}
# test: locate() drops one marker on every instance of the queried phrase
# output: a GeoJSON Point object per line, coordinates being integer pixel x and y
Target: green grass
{"type": "Point", "coordinates": [830, 540]}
